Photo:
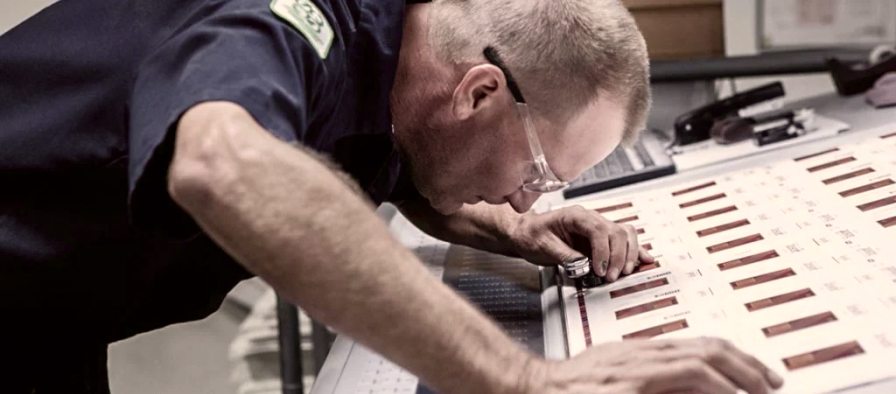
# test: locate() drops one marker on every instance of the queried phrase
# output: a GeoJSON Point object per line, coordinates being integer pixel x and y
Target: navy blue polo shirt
{"type": "Point", "coordinates": [91, 245]}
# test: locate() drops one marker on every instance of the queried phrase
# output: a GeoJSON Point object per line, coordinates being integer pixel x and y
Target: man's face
{"type": "Point", "coordinates": [480, 158]}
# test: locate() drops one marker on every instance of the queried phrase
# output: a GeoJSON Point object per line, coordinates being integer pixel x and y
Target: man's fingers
{"type": "Point", "coordinates": [618, 251]}
{"type": "Point", "coordinates": [644, 256]}
{"type": "Point", "coordinates": [686, 375]}
{"type": "Point", "coordinates": [771, 378]}
{"type": "Point", "coordinates": [749, 375]}
{"type": "Point", "coordinates": [632, 259]}
{"type": "Point", "coordinates": [600, 255]}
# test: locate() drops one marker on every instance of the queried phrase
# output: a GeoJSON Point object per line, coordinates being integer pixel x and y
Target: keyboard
{"type": "Point", "coordinates": [645, 160]}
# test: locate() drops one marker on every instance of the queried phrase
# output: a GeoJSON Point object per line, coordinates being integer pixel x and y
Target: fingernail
{"type": "Point", "coordinates": [775, 379]}
{"type": "Point", "coordinates": [602, 268]}
{"type": "Point", "coordinates": [629, 267]}
{"type": "Point", "coordinates": [614, 273]}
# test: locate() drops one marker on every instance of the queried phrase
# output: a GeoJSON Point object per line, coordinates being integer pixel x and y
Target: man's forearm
{"type": "Point", "coordinates": [481, 226]}
{"type": "Point", "coordinates": [290, 220]}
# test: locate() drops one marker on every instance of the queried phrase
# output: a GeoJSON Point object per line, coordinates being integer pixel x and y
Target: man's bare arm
{"type": "Point", "coordinates": [290, 220]}
{"type": "Point", "coordinates": [482, 226]}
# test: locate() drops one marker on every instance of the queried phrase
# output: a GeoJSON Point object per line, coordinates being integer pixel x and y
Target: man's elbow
{"type": "Point", "coordinates": [203, 164]}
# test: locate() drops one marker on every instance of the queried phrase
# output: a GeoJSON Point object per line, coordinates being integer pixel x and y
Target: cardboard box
{"type": "Point", "coordinates": [680, 29]}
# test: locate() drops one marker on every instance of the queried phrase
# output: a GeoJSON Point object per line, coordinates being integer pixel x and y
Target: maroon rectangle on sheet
{"type": "Point", "coordinates": [640, 231]}
{"type": "Point", "coordinates": [712, 213]}
{"type": "Point", "coordinates": [626, 220]}
{"type": "Point", "coordinates": [760, 279]}
{"type": "Point", "coordinates": [827, 354]}
{"type": "Point", "coordinates": [651, 332]}
{"type": "Point", "coordinates": [693, 188]}
{"type": "Point", "coordinates": [877, 204]}
{"type": "Point", "coordinates": [646, 307]}
{"type": "Point", "coordinates": [816, 154]}
{"type": "Point", "coordinates": [734, 243]}
{"type": "Point", "coordinates": [748, 260]}
{"type": "Point", "coordinates": [888, 222]}
{"type": "Point", "coordinates": [583, 313]}
{"type": "Point", "coordinates": [647, 247]}
{"type": "Point", "coordinates": [867, 188]}
{"type": "Point", "coordinates": [646, 267]}
{"type": "Point", "coordinates": [779, 299]}
{"type": "Point", "coordinates": [799, 324]}
{"type": "Point", "coordinates": [702, 200]}
{"type": "Point", "coordinates": [885, 136]}
{"type": "Point", "coordinates": [639, 287]}
{"type": "Point", "coordinates": [831, 164]}
{"type": "Point", "coordinates": [613, 207]}
{"type": "Point", "coordinates": [722, 227]}
{"type": "Point", "coordinates": [849, 175]}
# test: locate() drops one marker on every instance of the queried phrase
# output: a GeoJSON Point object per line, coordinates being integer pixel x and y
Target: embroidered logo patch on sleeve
{"type": "Point", "coordinates": [308, 20]}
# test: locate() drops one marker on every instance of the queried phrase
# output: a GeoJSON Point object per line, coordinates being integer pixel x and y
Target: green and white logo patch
{"type": "Point", "coordinates": [308, 20]}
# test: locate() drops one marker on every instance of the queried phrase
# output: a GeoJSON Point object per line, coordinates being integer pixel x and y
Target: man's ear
{"type": "Point", "coordinates": [477, 91]}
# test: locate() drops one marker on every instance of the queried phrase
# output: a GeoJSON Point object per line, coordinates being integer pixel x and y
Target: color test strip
{"type": "Point", "coordinates": [614, 208]}
{"type": "Point", "coordinates": [658, 330]}
{"type": "Point", "coordinates": [831, 164]}
{"type": "Point", "coordinates": [646, 267]}
{"type": "Point", "coordinates": [758, 280]}
{"type": "Point", "coordinates": [647, 246]}
{"type": "Point", "coordinates": [748, 260]}
{"type": "Point", "coordinates": [850, 175]}
{"type": "Point", "coordinates": [734, 243]}
{"type": "Point", "coordinates": [640, 231]}
{"type": "Point", "coordinates": [722, 227]}
{"type": "Point", "coordinates": [626, 220]}
{"type": "Point", "coordinates": [885, 136]}
{"type": "Point", "coordinates": [778, 299]}
{"type": "Point", "coordinates": [799, 324]}
{"type": "Point", "coordinates": [712, 213]}
{"type": "Point", "coordinates": [888, 222]}
{"type": "Point", "coordinates": [816, 154]}
{"type": "Point", "coordinates": [702, 200]}
{"type": "Point", "coordinates": [639, 287]}
{"type": "Point", "coordinates": [583, 312]}
{"type": "Point", "coordinates": [646, 307]}
{"type": "Point", "coordinates": [832, 353]}
{"type": "Point", "coordinates": [694, 188]}
{"type": "Point", "coordinates": [867, 188]}
{"type": "Point", "coordinates": [877, 204]}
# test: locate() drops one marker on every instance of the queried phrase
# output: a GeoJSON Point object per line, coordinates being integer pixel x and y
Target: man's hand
{"type": "Point", "coordinates": [556, 236]}
{"type": "Point", "coordinates": [701, 365]}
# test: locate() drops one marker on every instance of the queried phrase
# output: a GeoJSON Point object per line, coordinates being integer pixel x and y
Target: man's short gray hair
{"type": "Point", "coordinates": [563, 53]}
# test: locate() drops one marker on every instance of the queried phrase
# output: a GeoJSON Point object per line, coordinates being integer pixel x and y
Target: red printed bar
{"type": "Point", "coordinates": [694, 188]}
{"type": "Point", "coordinates": [831, 164]}
{"type": "Point", "coordinates": [651, 332]}
{"type": "Point", "coordinates": [760, 279]}
{"type": "Point", "coordinates": [715, 212]}
{"type": "Point", "coordinates": [638, 288]}
{"type": "Point", "coordinates": [877, 204]}
{"type": "Point", "coordinates": [722, 227]}
{"type": "Point", "coordinates": [799, 324]}
{"type": "Point", "coordinates": [867, 188]}
{"type": "Point", "coordinates": [888, 222]}
{"type": "Point", "coordinates": [640, 231]}
{"type": "Point", "coordinates": [583, 312]}
{"type": "Point", "coordinates": [885, 136]}
{"type": "Point", "coordinates": [850, 175]}
{"type": "Point", "coordinates": [626, 220]}
{"type": "Point", "coordinates": [827, 354]}
{"type": "Point", "coordinates": [647, 247]}
{"type": "Point", "coordinates": [748, 260]}
{"type": "Point", "coordinates": [646, 267]}
{"type": "Point", "coordinates": [613, 208]}
{"type": "Point", "coordinates": [779, 299]}
{"type": "Point", "coordinates": [734, 243]}
{"type": "Point", "coordinates": [702, 200]}
{"type": "Point", "coordinates": [816, 154]}
{"type": "Point", "coordinates": [646, 307]}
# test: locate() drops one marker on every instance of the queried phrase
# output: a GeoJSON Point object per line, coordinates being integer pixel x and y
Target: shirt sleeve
{"type": "Point", "coordinates": [248, 57]}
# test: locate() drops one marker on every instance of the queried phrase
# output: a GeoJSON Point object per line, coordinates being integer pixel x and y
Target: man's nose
{"type": "Point", "coordinates": [522, 201]}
